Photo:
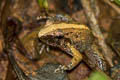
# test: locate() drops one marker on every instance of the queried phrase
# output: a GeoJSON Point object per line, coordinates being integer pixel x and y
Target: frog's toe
{"type": "Point", "coordinates": [47, 48]}
{"type": "Point", "coordinates": [42, 49]}
{"type": "Point", "coordinates": [61, 69]}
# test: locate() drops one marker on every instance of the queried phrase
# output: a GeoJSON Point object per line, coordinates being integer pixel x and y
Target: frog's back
{"type": "Point", "coordinates": [81, 38]}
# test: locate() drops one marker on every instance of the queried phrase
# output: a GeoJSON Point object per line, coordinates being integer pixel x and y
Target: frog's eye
{"type": "Point", "coordinates": [59, 37]}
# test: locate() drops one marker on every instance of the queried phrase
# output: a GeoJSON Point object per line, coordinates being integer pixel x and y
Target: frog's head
{"type": "Point", "coordinates": [52, 36]}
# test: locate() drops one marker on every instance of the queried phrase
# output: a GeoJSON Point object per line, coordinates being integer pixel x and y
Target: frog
{"type": "Point", "coordinates": [75, 39]}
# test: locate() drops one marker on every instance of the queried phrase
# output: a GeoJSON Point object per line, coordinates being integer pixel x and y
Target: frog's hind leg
{"type": "Point", "coordinates": [95, 55]}
{"type": "Point", "coordinates": [77, 57]}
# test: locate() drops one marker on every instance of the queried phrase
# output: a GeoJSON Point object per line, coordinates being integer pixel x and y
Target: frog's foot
{"type": "Point", "coordinates": [61, 69]}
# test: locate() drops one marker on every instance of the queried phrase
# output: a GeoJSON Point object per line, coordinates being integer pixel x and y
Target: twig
{"type": "Point", "coordinates": [21, 75]}
{"type": "Point", "coordinates": [96, 30]}
{"type": "Point", "coordinates": [95, 7]}
{"type": "Point", "coordinates": [115, 7]}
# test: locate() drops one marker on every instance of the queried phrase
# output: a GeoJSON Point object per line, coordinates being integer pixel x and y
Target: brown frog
{"type": "Point", "coordinates": [74, 39]}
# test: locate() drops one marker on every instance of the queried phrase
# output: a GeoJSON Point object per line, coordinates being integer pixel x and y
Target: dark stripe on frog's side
{"type": "Point", "coordinates": [53, 27]}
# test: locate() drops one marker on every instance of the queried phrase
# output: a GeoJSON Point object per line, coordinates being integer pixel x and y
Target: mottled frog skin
{"type": "Point", "coordinates": [74, 39]}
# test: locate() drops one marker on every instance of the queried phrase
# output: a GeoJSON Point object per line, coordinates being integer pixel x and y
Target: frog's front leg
{"type": "Point", "coordinates": [77, 57]}
{"type": "Point", "coordinates": [39, 48]}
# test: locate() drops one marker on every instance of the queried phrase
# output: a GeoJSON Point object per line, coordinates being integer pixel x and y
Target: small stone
{"type": "Point", "coordinates": [46, 72]}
